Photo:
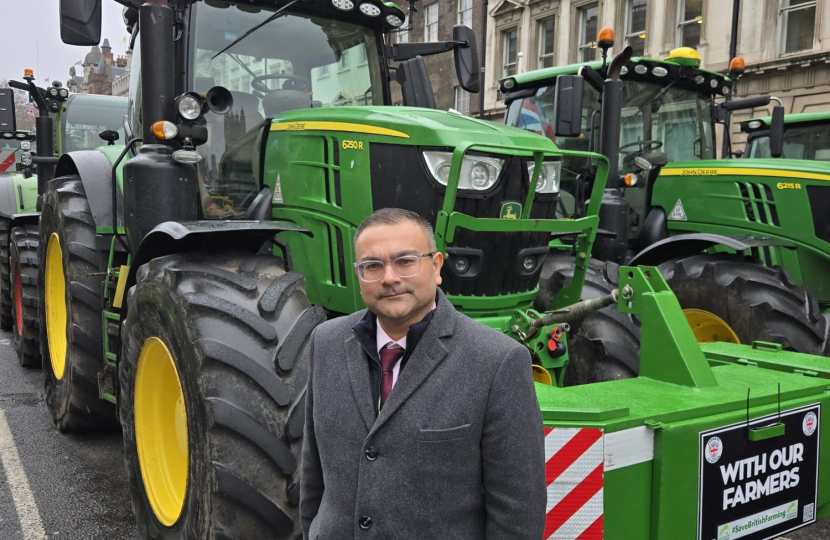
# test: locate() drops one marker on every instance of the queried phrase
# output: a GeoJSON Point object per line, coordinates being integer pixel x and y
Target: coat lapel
{"type": "Point", "coordinates": [358, 368]}
{"type": "Point", "coordinates": [428, 353]}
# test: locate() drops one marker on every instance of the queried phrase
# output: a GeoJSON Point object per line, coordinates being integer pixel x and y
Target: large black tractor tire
{"type": "Point", "coordinates": [757, 302]}
{"type": "Point", "coordinates": [69, 312]}
{"type": "Point", "coordinates": [604, 345]}
{"type": "Point", "coordinates": [24, 268]}
{"type": "Point", "coordinates": [235, 328]}
{"type": "Point", "coordinates": [5, 276]}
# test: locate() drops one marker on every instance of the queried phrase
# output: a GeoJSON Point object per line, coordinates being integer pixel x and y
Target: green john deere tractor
{"type": "Point", "coordinates": [805, 137]}
{"type": "Point", "coordinates": [18, 191]}
{"type": "Point", "coordinates": [669, 204]}
{"type": "Point", "coordinates": [79, 118]}
{"type": "Point", "coordinates": [185, 270]}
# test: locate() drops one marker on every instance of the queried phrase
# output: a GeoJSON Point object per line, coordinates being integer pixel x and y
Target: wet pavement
{"type": "Point", "coordinates": [78, 483]}
{"type": "Point", "coordinates": [69, 487]}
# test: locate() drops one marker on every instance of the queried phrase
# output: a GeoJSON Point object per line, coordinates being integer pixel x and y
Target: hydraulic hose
{"type": "Point", "coordinates": [578, 310]}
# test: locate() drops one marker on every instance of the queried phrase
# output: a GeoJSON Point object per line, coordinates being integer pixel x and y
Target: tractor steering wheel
{"type": "Point", "coordinates": [647, 145]}
{"type": "Point", "coordinates": [301, 84]}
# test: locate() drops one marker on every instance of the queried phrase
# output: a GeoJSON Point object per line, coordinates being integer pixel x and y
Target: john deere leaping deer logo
{"type": "Point", "coordinates": [510, 210]}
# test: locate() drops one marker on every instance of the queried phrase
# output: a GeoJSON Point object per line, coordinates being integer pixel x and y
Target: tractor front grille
{"type": "Point", "coordinates": [479, 264]}
{"type": "Point", "coordinates": [759, 204]}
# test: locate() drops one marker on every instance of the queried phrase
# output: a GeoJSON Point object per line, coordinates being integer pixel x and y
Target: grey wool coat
{"type": "Point", "coordinates": [456, 453]}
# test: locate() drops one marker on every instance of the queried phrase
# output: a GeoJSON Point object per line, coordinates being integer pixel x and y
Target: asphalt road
{"type": "Point", "coordinates": [67, 487]}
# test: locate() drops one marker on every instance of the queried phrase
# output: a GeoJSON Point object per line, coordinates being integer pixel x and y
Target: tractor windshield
{"type": "Point", "coordinates": [663, 124]}
{"type": "Point", "coordinates": [659, 122]}
{"type": "Point", "coordinates": [88, 115]}
{"type": "Point", "coordinates": [808, 141]}
{"type": "Point", "coordinates": [295, 61]}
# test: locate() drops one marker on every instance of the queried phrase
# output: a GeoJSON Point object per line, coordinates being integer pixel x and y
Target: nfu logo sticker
{"type": "Point", "coordinates": [810, 423]}
{"type": "Point", "coordinates": [714, 449]}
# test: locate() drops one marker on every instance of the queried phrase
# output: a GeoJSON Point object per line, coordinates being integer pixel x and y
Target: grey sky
{"type": "Point", "coordinates": [30, 33]}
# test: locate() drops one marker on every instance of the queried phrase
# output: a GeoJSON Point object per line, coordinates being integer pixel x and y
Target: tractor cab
{"type": "Point", "coordinates": [267, 59]}
{"type": "Point", "coordinates": [805, 137]}
{"type": "Point", "coordinates": [667, 115]}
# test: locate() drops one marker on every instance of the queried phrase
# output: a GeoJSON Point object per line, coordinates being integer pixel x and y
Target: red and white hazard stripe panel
{"type": "Point", "coordinates": [6, 160]}
{"type": "Point", "coordinates": [574, 467]}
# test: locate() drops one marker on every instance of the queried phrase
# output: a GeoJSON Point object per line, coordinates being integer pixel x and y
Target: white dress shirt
{"type": "Point", "coordinates": [383, 340]}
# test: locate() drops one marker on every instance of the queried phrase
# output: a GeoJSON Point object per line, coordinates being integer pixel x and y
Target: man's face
{"type": "Point", "coordinates": [401, 301]}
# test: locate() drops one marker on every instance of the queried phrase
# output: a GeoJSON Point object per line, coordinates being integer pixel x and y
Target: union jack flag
{"type": "Point", "coordinates": [534, 119]}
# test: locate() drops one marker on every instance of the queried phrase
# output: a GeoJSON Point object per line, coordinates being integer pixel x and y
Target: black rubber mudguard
{"type": "Point", "coordinates": [689, 244]}
{"type": "Point", "coordinates": [184, 236]}
{"type": "Point", "coordinates": [95, 171]}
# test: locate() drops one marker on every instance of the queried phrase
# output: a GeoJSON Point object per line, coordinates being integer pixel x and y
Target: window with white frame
{"type": "Point", "coordinates": [588, 18]}
{"type": "Point", "coordinates": [403, 33]}
{"type": "Point", "coordinates": [462, 101]}
{"type": "Point", "coordinates": [509, 40]}
{"type": "Point", "coordinates": [635, 36]}
{"type": "Point", "coordinates": [465, 12]}
{"type": "Point", "coordinates": [343, 63]}
{"type": "Point", "coordinates": [431, 22]}
{"type": "Point", "coordinates": [546, 29]}
{"type": "Point", "coordinates": [690, 23]}
{"type": "Point", "coordinates": [798, 23]}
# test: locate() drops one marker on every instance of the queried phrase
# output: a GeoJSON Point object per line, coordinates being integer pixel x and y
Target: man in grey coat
{"type": "Point", "coordinates": [420, 422]}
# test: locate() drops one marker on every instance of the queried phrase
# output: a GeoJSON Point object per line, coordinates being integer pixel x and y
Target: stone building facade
{"type": "Point", "coordinates": [434, 21]}
{"type": "Point", "coordinates": [101, 72]}
{"type": "Point", "coordinates": [785, 43]}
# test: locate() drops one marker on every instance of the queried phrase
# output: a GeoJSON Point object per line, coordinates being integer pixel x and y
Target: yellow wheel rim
{"type": "Point", "coordinates": [709, 328]}
{"type": "Point", "coordinates": [55, 297]}
{"type": "Point", "coordinates": [541, 375]}
{"type": "Point", "coordinates": [161, 431]}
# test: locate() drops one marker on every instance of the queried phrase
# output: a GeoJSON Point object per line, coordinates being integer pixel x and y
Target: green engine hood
{"type": "Point", "coordinates": [411, 126]}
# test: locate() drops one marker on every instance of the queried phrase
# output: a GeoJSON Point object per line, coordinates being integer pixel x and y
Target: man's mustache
{"type": "Point", "coordinates": [389, 291]}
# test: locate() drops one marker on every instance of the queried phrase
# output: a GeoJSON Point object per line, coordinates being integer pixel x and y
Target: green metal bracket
{"type": "Point", "coordinates": [536, 341]}
{"type": "Point", "coordinates": [768, 432]}
{"type": "Point", "coordinates": [669, 351]}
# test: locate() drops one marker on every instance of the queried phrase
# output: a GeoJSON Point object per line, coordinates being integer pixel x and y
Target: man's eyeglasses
{"type": "Point", "coordinates": [406, 267]}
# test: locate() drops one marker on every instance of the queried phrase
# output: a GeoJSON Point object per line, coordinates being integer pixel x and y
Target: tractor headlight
{"type": "Point", "coordinates": [26, 146]}
{"type": "Point", "coordinates": [478, 173]}
{"type": "Point", "coordinates": [189, 106]}
{"type": "Point", "coordinates": [549, 177]}
{"type": "Point", "coordinates": [26, 159]}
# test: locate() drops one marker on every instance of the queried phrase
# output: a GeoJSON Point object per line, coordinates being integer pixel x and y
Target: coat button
{"type": "Point", "coordinates": [371, 454]}
{"type": "Point", "coordinates": [365, 522]}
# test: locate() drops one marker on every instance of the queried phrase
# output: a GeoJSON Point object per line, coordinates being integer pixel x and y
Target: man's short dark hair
{"type": "Point", "coordinates": [394, 216]}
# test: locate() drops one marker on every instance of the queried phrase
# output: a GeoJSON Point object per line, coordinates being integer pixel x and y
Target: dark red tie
{"type": "Point", "coordinates": [388, 357]}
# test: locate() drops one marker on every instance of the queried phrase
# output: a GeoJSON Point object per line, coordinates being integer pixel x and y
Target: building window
{"type": "Point", "coordinates": [509, 54]}
{"type": "Point", "coordinates": [465, 12]}
{"type": "Point", "coordinates": [546, 33]}
{"type": "Point", "coordinates": [635, 37]}
{"type": "Point", "coordinates": [691, 20]}
{"type": "Point", "coordinates": [588, 32]}
{"type": "Point", "coordinates": [362, 54]}
{"type": "Point", "coordinates": [343, 63]}
{"type": "Point", "coordinates": [403, 33]}
{"type": "Point", "coordinates": [462, 101]}
{"type": "Point", "coordinates": [798, 22]}
{"type": "Point", "coordinates": [431, 22]}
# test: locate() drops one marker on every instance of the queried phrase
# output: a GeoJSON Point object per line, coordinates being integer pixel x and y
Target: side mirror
{"type": "Point", "coordinates": [776, 132]}
{"type": "Point", "coordinates": [746, 103]}
{"type": "Point", "coordinates": [415, 86]}
{"type": "Point", "coordinates": [568, 106]}
{"type": "Point", "coordinates": [467, 68]}
{"type": "Point", "coordinates": [80, 22]}
{"type": "Point", "coordinates": [7, 118]}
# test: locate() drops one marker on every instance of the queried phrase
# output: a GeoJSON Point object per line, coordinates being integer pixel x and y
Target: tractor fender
{"type": "Point", "coordinates": [690, 244]}
{"type": "Point", "coordinates": [173, 237]}
{"type": "Point", "coordinates": [8, 201]}
{"type": "Point", "coordinates": [22, 219]}
{"type": "Point", "coordinates": [95, 170]}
